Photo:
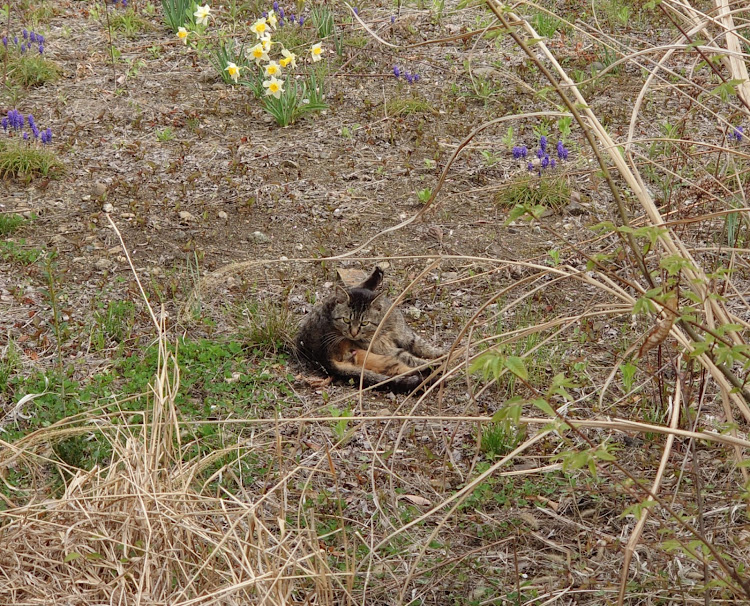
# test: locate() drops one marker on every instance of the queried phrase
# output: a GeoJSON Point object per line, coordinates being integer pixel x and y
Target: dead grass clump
{"type": "Point", "coordinates": [138, 530]}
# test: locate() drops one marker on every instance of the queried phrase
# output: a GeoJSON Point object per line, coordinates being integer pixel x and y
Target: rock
{"type": "Point", "coordinates": [223, 215]}
{"type": "Point", "coordinates": [490, 73]}
{"type": "Point", "coordinates": [260, 237]}
{"type": "Point", "coordinates": [413, 313]}
{"type": "Point", "coordinates": [575, 209]}
{"type": "Point", "coordinates": [597, 66]}
{"type": "Point", "coordinates": [98, 189]}
{"type": "Point", "coordinates": [186, 216]}
{"type": "Point", "coordinates": [108, 208]}
{"type": "Point", "coordinates": [103, 263]}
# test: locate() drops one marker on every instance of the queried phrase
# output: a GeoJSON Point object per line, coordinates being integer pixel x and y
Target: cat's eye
{"type": "Point", "coordinates": [365, 323]}
{"type": "Point", "coordinates": [346, 320]}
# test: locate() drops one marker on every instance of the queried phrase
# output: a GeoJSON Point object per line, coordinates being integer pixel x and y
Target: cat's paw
{"type": "Point", "coordinates": [408, 382]}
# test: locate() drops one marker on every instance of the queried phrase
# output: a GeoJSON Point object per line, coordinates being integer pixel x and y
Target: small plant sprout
{"type": "Point", "coordinates": [316, 51]}
{"type": "Point", "coordinates": [233, 70]}
{"type": "Point", "coordinates": [182, 34]}
{"type": "Point", "coordinates": [201, 14]}
{"type": "Point", "coordinates": [274, 87]}
{"type": "Point", "coordinates": [424, 195]}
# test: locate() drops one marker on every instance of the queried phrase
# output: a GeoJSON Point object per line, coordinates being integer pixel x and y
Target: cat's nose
{"type": "Point", "coordinates": [354, 331]}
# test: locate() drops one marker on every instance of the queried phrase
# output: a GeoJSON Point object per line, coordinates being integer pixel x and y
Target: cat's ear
{"type": "Point", "coordinates": [374, 280]}
{"type": "Point", "coordinates": [342, 295]}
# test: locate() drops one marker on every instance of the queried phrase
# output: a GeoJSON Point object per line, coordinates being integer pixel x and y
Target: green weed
{"type": "Point", "coordinates": [405, 106]}
{"type": "Point", "coordinates": [130, 23]}
{"type": "Point", "coordinates": [25, 160]}
{"type": "Point", "coordinates": [13, 252]}
{"type": "Point", "coordinates": [499, 438]}
{"type": "Point", "coordinates": [9, 363]}
{"type": "Point", "coordinates": [165, 134]}
{"type": "Point", "coordinates": [546, 25]}
{"type": "Point", "coordinates": [267, 326]}
{"type": "Point", "coordinates": [10, 223]}
{"type": "Point", "coordinates": [550, 191]}
{"type": "Point", "coordinates": [113, 323]}
{"type": "Point", "coordinates": [423, 195]}
{"type": "Point", "coordinates": [30, 69]}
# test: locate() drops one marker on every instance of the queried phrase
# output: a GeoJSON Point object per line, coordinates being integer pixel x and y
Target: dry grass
{"type": "Point", "coordinates": [140, 530]}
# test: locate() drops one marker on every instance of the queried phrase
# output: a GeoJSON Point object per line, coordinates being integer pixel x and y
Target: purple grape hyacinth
{"type": "Point", "coordinates": [542, 159]}
{"type": "Point", "coordinates": [15, 119]}
{"type": "Point", "coordinates": [396, 71]}
{"type": "Point", "coordinates": [737, 134]}
{"type": "Point", "coordinates": [32, 125]}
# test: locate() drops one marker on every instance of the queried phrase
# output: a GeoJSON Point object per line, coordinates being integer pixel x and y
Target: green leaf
{"type": "Point", "coordinates": [73, 555]}
{"type": "Point", "coordinates": [515, 365]}
{"type": "Point", "coordinates": [510, 409]}
{"type": "Point", "coordinates": [727, 89]}
{"type": "Point", "coordinates": [517, 211]}
{"type": "Point", "coordinates": [638, 509]}
{"type": "Point", "coordinates": [643, 305]}
{"type": "Point", "coordinates": [544, 406]}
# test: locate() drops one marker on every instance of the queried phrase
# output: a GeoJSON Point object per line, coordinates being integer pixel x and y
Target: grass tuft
{"type": "Point", "coordinates": [10, 223]}
{"type": "Point", "coordinates": [32, 70]}
{"type": "Point", "coordinates": [18, 160]}
{"type": "Point", "coordinates": [531, 190]}
{"type": "Point", "coordinates": [396, 107]}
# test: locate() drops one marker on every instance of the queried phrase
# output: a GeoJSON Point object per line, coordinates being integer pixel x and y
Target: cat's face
{"type": "Point", "coordinates": [357, 314]}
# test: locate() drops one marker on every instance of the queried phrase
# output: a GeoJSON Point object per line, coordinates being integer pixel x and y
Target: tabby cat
{"type": "Point", "coordinates": [337, 333]}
